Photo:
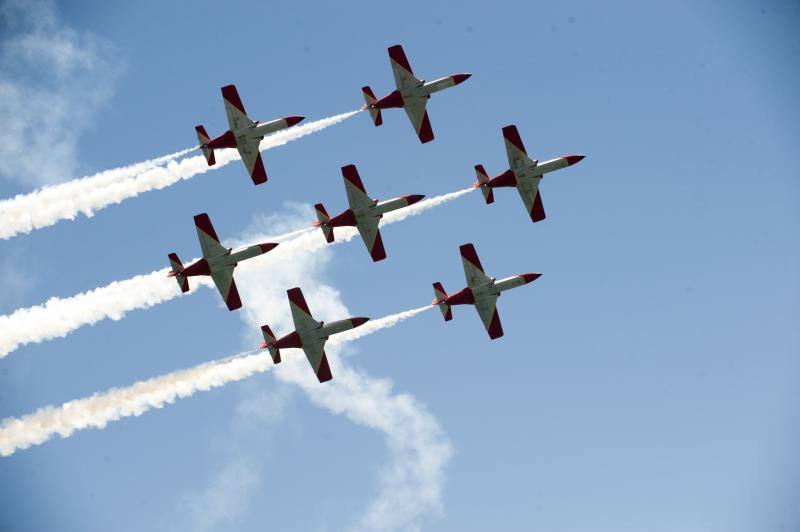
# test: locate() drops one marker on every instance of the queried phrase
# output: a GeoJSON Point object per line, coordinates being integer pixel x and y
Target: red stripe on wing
{"type": "Point", "coordinates": [324, 371]}
{"type": "Point", "coordinates": [296, 297]}
{"type": "Point", "coordinates": [350, 173]}
{"type": "Point", "coordinates": [230, 93]}
{"type": "Point", "coordinates": [495, 329]}
{"type": "Point", "coordinates": [511, 134]}
{"type": "Point", "coordinates": [259, 174]}
{"type": "Point", "coordinates": [203, 222]}
{"type": "Point", "coordinates": [425, 132]}
{"type": "Point", "coordinates": [469, 253]}
{"type": "Point", "coordinates": [397, 55]}
{"type": "Point", "coordinates": [377, 252]}
{"type": "Point", "coordinates": [537, 210]}
{"type": "Point", "coordinates": [233, 302]}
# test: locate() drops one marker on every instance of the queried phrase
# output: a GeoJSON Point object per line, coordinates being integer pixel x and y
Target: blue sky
{"type": "Point", "coordinates": [647, 381]}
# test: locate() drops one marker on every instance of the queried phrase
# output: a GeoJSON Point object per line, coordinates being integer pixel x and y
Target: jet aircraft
{"type": "Point", "coordinates": [364, 213]}
{"type": "Point", "coordinates": [412, 94]}
{"type": "Point", "coordinates": [218, 262]}
{"type": "Point", "coordinates": [244, 135]}
{"type": "Point", "coordinates": [309, 334]}
{"type": "Point", "coordinates": [482, 291]}
{"type": "Point", "coordinates": [524, 173]}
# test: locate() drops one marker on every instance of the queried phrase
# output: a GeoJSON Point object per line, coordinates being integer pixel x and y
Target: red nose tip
{"type": "Point", "coordinates": [412, 199]}
{"type": "Point", "coordinates": [262, 345]}
{"type": "Point", "coordinates": [267, 247]}
{"type": "Point", "coordinates": [292, 120]}
{"type": "Point", "coordinates": [572, 159]}
{"type": "Point", "coordinates": [460, 78]}
{"type": "Point", "coordinates": [357, 322]}
{"type": "Point", "coordinates": [530, 277]}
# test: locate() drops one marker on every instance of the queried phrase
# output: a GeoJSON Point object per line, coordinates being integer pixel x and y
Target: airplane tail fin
{"type": "Point", "coordinates": [370, 99]}
{"type": "Point", "coordinates": [441, 297]}
{"type": "Point", "coordinates": [322, 217]}
{"type": "Point", "coordinates": [177, 267]}
{"type": "Point", "coordinates": [269, 337]}
{"type": "Point", "coordinates": [483, 178]}
{"type": "Point", "coordinates": [204, 139]}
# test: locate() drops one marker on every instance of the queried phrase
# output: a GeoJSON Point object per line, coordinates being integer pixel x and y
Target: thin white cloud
{"type": "Point", "coordinates": [53, 80]}
{"type": "Point", "coordinates": [411, 484]}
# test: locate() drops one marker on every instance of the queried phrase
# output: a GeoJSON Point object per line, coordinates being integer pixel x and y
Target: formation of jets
{"type": "Point", "coordinates": [364, 213]}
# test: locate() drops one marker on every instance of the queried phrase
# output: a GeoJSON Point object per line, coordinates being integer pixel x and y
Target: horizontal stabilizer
{"type": "Point", "coordinates": [177, 268]}
{"type": "Point", "coordinates": [269, 338]}
{"type": "Point", "coordinates": [369, 99]}
{"type": "Point", "coordinates": [483, 179]}
{"type": "Point", "coordinates": [203, 139]}
{"type": "Point", "coordinates": [322, 218]}
{"type": "Point", "coordinates": [440, 301]}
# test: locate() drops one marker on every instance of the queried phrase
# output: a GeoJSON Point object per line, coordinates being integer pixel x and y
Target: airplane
{"type": "Point", "coordinates": [524, 173]}
{"type": "Point", "coordinates": [244, 135]}
{"type": "Point", "coordinates": [481, 291]}
{"type": "Point", "coordinates": [309, 334]}
{"type": "Point", "coordinates": [364, 213]}
{"type": "Point", "coordinates": [412, 94]}
{"type": "Point", "coordinates": [218, 262]}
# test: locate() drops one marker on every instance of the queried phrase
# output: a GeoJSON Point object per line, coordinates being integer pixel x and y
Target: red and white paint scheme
{"type": "Point", "coordinates": [244, 135]}
{"type": "Point", "coordinates": [482, 291]}
{"type": "Point", "coordinates": [309, 334]}
{"type": "Point", "coordinates": [364, 213]}
{"type": "Point", "coordinates": [524, 173]}
{"type": "Point", "coordinates": [412, 94]}
{"type": "Point", "coordinates": [218, 262]}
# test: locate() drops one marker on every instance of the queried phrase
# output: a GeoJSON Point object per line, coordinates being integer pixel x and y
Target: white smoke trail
{"type": "Point", "coordinates": [21, 213]}
{"type": "Point", "coordinates": [99, 409]}
{"type": "Point", "coordinates": [58, 317]}
{"type": "Point", "coordinates": [49, 205]}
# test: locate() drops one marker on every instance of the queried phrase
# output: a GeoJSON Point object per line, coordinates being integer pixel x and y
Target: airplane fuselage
{"type": "Point", "coordinates": [398, 98]}
{"type": "Point", "coordinates": [222, 262]}
{"type": "Point", "coordinates": [320, 332]}
{"type": "Point", "coordinates": [368, 213]}
{"type": "Point", "coordinates": [529, 170]}
{"type": "Point", "coordinates": [250, 133]}
{"type": "Point", "coordinates": [490, 288]}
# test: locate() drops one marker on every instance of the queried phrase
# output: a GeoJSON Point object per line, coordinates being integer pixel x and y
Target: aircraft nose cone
{"type": "Point", "coordinates": [357, 322]}
{"type": "Point", "coordinates": [262, 345]}
{"type": "Point", "coordinates": [267, 247]}
{"type": "Point", "coordinates": [292, 120]}
{"type": "Point", "coordinates": [460, 78]}
{"type": "Point", "coordinates": [530, 277]}
{"type": "Point", "coordinates": [572, 159]}
{"type": "Point", "coordinates": [412, 199]}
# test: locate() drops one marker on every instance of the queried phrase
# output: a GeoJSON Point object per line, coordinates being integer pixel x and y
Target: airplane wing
{"type": "Point", "coordinates": [415, 109]}
{"type": "Point", "coordinates": [209, 241]}
{"type": "Point", "coordinates": [300, 314]}
{"type": "Point", "coordinates": [371, 236]}
{"type": "Point", "coordinates": [356, 194]}
{"type": "Point", "coordinates": [515, 149]}
{"type": "Point", "coordinates": [237, 117]}
{"type": "Point", "coordinates": [473, 270]}
{"type": "Point", "coordinates": [403, 75]}
{"type": "Point", "coordinates": [315, 353]}
{"type": "Point", "coordinates": [487, 310]}
{"type": "Point", "coordinates": [227, 288]}
{"type": "Point", "coordinates": [251, 158]}
{"type": "Point", "coordinates": [529, 192]}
